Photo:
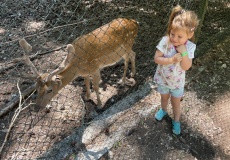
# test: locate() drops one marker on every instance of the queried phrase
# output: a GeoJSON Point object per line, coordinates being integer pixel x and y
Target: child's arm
{"type": "Point", "coordinates": [186, 63]}
{"type": "Point", "coordinates": [160, 59]}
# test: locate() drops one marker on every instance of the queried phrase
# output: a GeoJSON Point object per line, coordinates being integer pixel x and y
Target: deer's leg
{"type": "Point", "coordinates": [132, 57]}
{"type": "Point", "coordinates": [96, 77]}
{"type": "Point", "coordinates": [126, 63]}
{"type": "Point", "coordinates": [87, 85]}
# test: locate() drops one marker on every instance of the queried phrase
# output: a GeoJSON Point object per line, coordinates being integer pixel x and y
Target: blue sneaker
{"type": "Point", "coordinates": [160, 114]}
{"type": "Point", "coordinates": [176, 127]}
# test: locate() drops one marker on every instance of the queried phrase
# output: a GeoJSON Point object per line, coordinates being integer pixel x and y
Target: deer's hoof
{"type": "Point", "coordinates": [121, 82]}
{"type": "Point", "coordinates": [87, 97]}
{"type": "Point", "coordinates": [99, 105]}
{"type": "Point", "coordinates": [132, 75]}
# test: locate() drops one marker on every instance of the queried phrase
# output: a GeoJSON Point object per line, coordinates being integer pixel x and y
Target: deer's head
{"type": "Point", "coordinates": [47, 84]}
{"type": "Point", "coordinates": [47, 88]}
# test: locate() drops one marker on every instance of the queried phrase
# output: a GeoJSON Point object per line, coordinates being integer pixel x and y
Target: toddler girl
{"type": "Point", "coordinates": [174, 56]}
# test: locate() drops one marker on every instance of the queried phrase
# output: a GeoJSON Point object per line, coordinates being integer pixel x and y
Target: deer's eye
{"type": "Point", "coordinates": [49, 90]}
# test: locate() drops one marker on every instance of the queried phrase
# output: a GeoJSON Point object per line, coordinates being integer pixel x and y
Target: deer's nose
{"type": "Point", "coordinates": [36, 108]}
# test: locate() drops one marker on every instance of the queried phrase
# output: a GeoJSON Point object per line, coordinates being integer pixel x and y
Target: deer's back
{"type": "Point", "coordinates": [106, 40]}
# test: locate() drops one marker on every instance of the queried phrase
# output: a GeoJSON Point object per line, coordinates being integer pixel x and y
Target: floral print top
{"type": "Point", "coordinates": [172, 75]}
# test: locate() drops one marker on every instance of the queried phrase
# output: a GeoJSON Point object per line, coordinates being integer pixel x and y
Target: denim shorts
{"type": "Point", "coordinates": [174, 92]}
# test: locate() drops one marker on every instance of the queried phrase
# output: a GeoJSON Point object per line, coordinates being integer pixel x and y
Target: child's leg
{"type": "Point", "coordinates": [164, 91]}
{"type": "Point", "coordinates": [176, 95]}
{"type": "Point", "coordinates": [164, 103]}
{"type": "Point", "coordinates": [175, 101]}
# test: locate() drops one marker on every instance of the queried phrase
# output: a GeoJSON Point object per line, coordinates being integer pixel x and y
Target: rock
{"type": "Point", "coordinates": [224, 66]}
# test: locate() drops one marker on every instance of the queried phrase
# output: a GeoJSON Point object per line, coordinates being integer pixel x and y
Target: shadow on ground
{"type": "Point", "coordinates": [154, 140]}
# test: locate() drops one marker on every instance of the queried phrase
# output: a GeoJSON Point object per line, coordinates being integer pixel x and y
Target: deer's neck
{"type": "Point", "coordinates": [67, 76]}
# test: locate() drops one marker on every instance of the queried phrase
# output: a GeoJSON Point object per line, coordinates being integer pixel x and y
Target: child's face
{"type": "Point", "coordinates": [179, 36]}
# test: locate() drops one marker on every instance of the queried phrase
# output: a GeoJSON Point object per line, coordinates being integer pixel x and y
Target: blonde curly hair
{"type": "Point", "coordinates": [182, 19]}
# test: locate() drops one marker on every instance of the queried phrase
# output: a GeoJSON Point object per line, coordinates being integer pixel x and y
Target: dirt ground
{"type": "Point", "coordinates": [206, 115]}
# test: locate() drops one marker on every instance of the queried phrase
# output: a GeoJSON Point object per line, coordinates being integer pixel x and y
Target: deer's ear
{"type": "Point", "coordinates": [70, 48]}
{"type": "Point", "coordinates": [40, 81]}
{"type": "Point", "coordinates": [57, 80]}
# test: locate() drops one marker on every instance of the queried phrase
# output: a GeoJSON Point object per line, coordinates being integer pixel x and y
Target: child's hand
{"type": "Point", "coordinates": [181, 48]}
{"type": "Point", "coordinates": [177, 58]}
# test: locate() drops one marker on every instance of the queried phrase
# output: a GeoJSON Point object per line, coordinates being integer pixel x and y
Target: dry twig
{"type": "Point", "coordinates": [16, 114]}
{"type": "Point", "coordinates": [16, 100]}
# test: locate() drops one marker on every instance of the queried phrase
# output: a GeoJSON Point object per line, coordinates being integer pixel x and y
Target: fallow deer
{"type": "Point", "coordinates": [86, 56]}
